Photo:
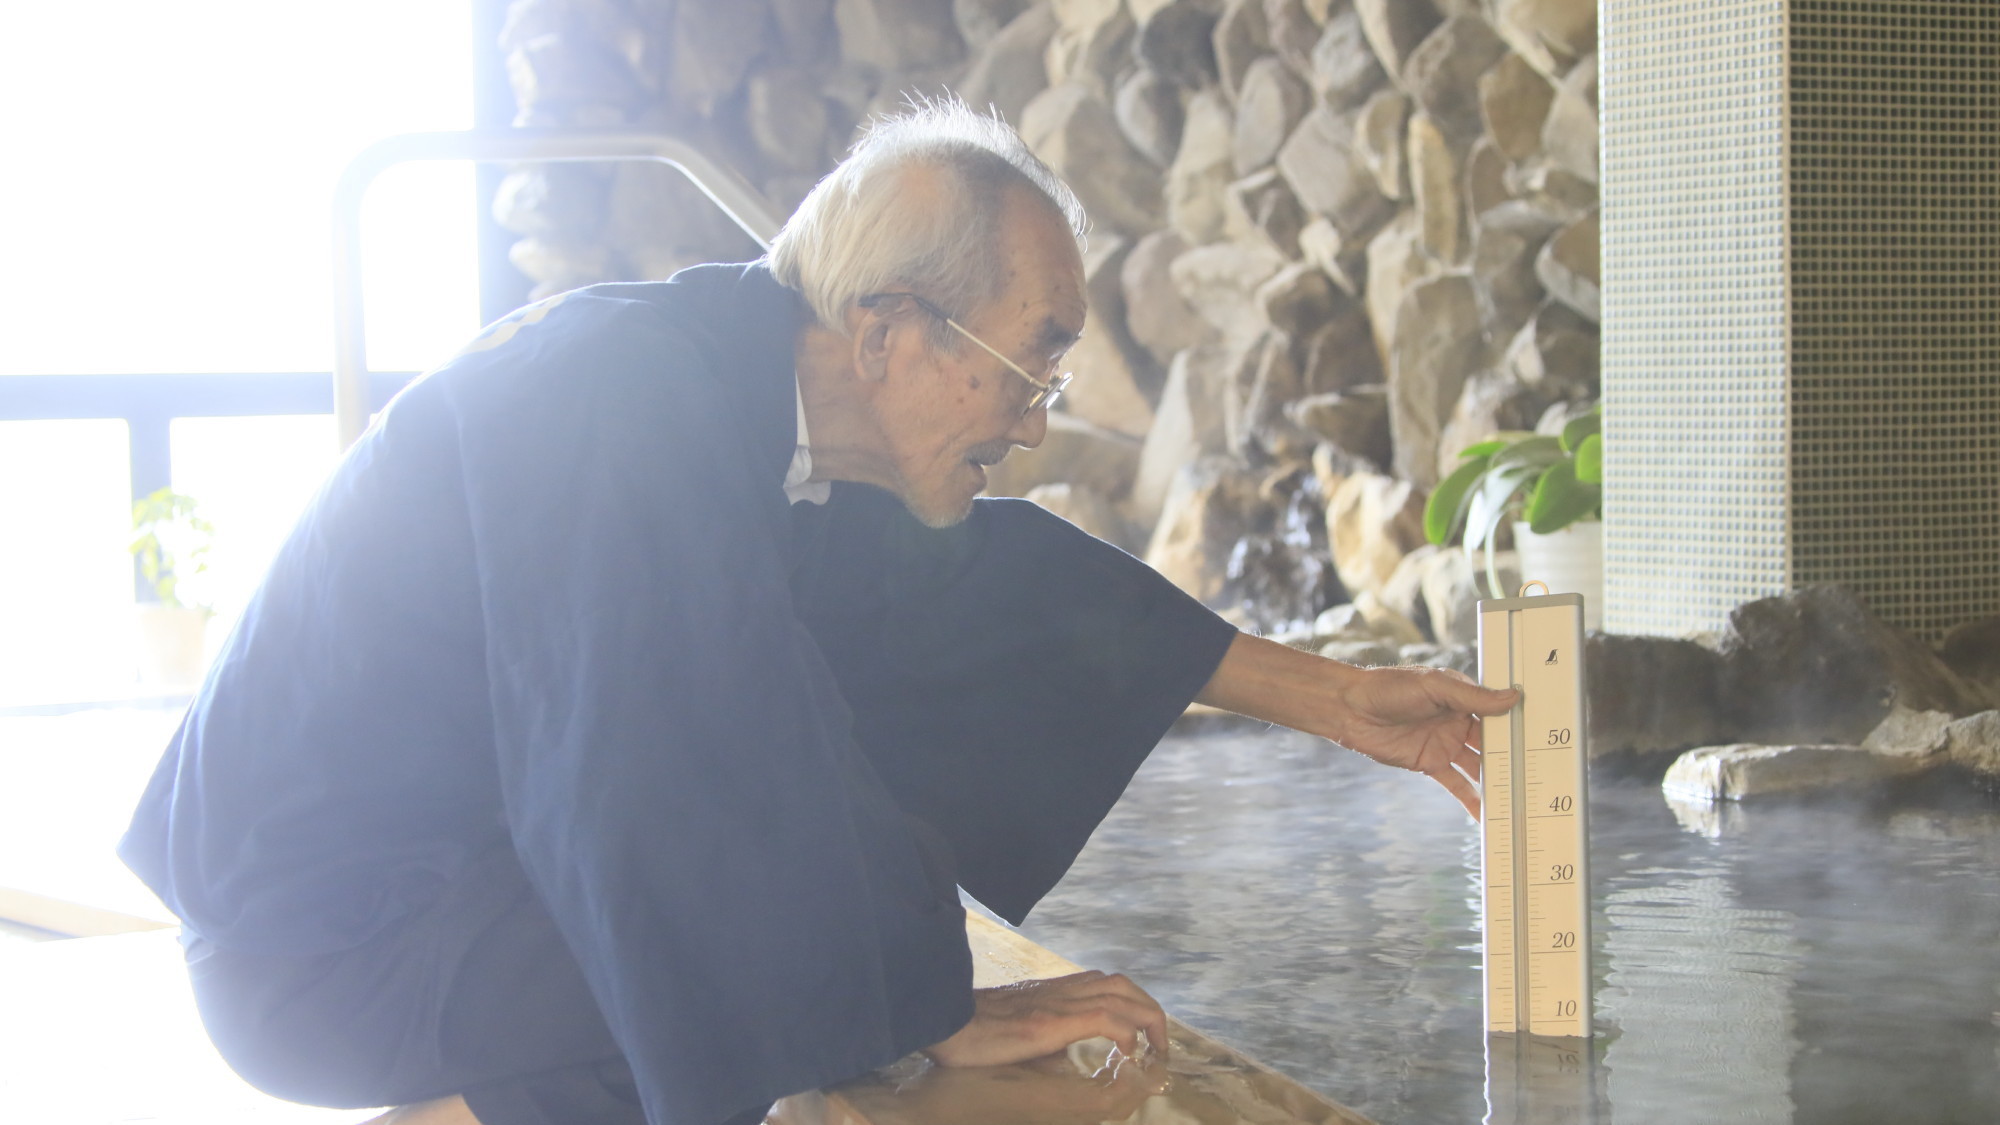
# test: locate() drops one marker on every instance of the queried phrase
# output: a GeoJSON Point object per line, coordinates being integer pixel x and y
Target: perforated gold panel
{"type": "Point", "coordinates": [1694, 354]}
{"type": "Point", "coordinates": [1802, 306]}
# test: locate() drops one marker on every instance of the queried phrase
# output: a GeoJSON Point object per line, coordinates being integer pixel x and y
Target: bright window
{"type": "Point", "coordinates": [170, 170]}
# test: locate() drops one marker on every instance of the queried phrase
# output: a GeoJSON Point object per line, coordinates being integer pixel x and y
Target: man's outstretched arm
{"type": "Point", "coordinates": [1421, 719]}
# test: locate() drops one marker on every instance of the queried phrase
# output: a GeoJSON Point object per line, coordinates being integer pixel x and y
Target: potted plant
{"type": "Point", "coordinates": [1552, 487]}
{"type": "Point", "coordinates": [171, 542]}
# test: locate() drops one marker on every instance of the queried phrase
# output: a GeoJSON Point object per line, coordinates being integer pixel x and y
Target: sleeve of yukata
{"type": "Point", "coordinates": [1007, 675]}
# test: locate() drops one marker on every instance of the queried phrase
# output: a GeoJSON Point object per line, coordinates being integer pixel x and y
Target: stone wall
{"type": "Point", "coordinates": [1335, 242]}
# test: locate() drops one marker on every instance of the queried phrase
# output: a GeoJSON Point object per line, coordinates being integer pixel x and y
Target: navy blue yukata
{"type": "Point", "coordinates": [559, 760]}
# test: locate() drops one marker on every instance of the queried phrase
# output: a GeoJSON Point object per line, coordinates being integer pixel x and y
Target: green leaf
{"type": "Point", "coordinates": [1560, 499]}
{"type": "Point", "coordinates": [1539, 451]}
{"type": "Point", "coordinates": [1579, 428]}
{"type": "Point", "coordinates": [1590, 460]}
{"type": "Point", "coordinates": [1485, 448]}
{"type": "Point", "coordinates": [1445, 508]}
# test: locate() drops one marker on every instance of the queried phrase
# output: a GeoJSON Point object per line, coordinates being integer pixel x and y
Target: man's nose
{"type": "Point", "coordinates": [1031, 429]}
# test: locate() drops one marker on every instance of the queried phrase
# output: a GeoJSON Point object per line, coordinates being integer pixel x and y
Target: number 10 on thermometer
{"type": "Point", "coordinates": [1535, 865]}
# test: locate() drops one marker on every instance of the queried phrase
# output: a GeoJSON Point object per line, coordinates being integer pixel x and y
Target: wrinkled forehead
{"type": "Point", "coordinates": [1042, 282]}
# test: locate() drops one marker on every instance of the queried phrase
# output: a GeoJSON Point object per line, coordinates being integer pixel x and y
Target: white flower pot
{"type": "Point", "coordinates": [172, 647]}
{"type": "Point", "coordinates": [1570, 561]}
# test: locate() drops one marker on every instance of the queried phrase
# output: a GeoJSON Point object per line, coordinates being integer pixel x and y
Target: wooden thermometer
{"type": "Point", "coordinates": [1535, 867]}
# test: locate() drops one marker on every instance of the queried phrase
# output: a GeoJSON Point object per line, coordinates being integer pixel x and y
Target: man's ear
{"type": "Point", "coordinates": [873, 335]}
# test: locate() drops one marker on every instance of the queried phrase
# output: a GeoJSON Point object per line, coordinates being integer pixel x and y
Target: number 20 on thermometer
{"type": "Point", "coordinates": [1535, 865]}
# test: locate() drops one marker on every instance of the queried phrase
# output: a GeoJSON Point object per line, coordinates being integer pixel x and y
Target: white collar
{"type": "Point", "coordinates": [799, 485]}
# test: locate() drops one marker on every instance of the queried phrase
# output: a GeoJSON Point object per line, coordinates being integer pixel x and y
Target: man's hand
{"type": "Point", "coordinates": [1424, 720]}
{"type": "Point", "coordinates": [1047, 1092]}
{"type": "Point", "coordinates": [1421, 719]}
{"type": "Point", "coordinates": [1039, 1017]}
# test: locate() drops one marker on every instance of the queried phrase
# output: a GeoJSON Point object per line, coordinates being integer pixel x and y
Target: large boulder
{"type": "Point", "coordinates": [1394, 28]}
{"type": "Point", "coordinates": [1176, 40]}
{"type": "Point", "coordinates": [556, 201]}
{"type": "Point", "coordinates": [1114, 384]}
{"type": "Point", "coordinates": [1505, 243]}
{"type": "Point", "coordinates": [1011, 69]}
{"type": "Point", "coordinates": [1089, 510]}
{"type": "Point", "coordinates": [1092, 42]}
{"type": "Point", "coordinates": [1568, 267]}
{"type": "Point", "coordinates": [1343, 259]}
{"type": "Point", "coordinates": [1378, 140]}
{"type": "Point", "coordinates": [1485, 177]}
{"type": "Point", "coordinates": [1437, 346]}
{"type": "Point", "coordinates": [714, 45]}
{"type": "Point", "coordinates": [1514, 102]}
{"type": "Point", "coordinates": [1396, 264]}
{"type": "Point", "coordinates": [1569, 135]}
{"type": "Point", "coordinates": [1453, 586]}
{"type": "Point", "coordinates": [1320, 162]}
{"type": "Point", "coordinates": [1355, 420]}
{"type": "Point", "coordinates": [1372, 521]}
{"type": "Point", "coordinates": [1292, 32]}
{"type": "Point", "coordinates": [1344, 68]}
{"type": "Point", "coordinates": [1253, 413]}
{"type": "Point", "coordinates": [1269, 105]}
{"type": "Point", "coordinates": [1491, 401]}
{"type": "Point", "coordinates": [1220, 282]}
{"type": "Point", "coordinates": [1109, 390]}
{"type": "Point", "coordinates": [1973, 743]}
{"type": "Point", "coordinates": [1240, 38]}
{"type": "Point", "coordinates": [1202, 169]}
{"type": "Point", "coordinates": [1652, 694]}
{"type": "Point", "coordinates": [1973, 651]}
{"type": "Point", "coordinates": [788, 120]}
{"type": "Point", "coordinates": [1340, 355]}
{"type": "Point", "coordinates": [1298, 299]}
{"type": "Point", "coordinates": [1551, 34]}
{"type": "Point", "coordinates": [1442, 74]}
{"type": "Point", "coordinates": [1816, 666]}
{"type": "Point", "coordinates": [1186, 427]}
{"type": "Point", "coordinates": [980, 21]}
{"type": "Point", "coordinates": [1073, 452]}
{"type": "Point", "coordinates": [1260, 208]}
{"type": "Point", "coordinates": [1740, 770]}
{"type": "Point", "coordinates": [1434, 185]}
{"type": "Point", "coordinates": [1150, 113]}
{"type": "Point", "coordinates": [1556, 353]}
{"type": "Point", "coordinates": [1074, 130]}
{"type": "Point", "coordinates": [896, 36]}
{"type": "Point", "coordinates": [1210, 508]}
{"type": "Point", "coordinates": [1157, 316]}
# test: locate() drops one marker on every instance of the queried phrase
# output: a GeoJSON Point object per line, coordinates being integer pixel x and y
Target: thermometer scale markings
{"type": "Point", "coordinates": [1535, 875]}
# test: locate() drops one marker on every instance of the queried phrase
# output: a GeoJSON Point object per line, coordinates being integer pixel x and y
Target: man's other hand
{"type": "Point", "coordinates": [1023, 1021]}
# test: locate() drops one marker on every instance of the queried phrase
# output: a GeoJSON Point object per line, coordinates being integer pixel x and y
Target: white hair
{"type": "Point", "coordinates": [857, 233]}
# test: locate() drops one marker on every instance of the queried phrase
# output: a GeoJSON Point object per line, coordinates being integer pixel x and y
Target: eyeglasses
{"type": "Point", "coordinates": [1047, 394]}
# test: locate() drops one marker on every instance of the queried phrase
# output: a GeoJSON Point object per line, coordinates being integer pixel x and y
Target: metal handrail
{"type": "Point", "coordinates": [741, 202]}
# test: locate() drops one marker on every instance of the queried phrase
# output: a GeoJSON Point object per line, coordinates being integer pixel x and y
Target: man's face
{"type": "Point", "coordinates": [948, 414]}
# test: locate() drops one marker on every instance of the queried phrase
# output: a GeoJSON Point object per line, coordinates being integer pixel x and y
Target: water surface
{"type": "Point", "coordinates": [1832, 960]}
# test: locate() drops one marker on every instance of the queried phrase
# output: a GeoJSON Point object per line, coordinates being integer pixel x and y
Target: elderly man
{"type": "Point", "coordinates": [608, 743]}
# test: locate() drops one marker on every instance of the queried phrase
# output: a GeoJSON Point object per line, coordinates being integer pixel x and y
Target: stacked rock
{"type": "Point", "coordinates": [1335, 241]}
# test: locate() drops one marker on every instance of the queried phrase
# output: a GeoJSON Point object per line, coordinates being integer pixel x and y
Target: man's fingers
{"type": "Point", "coordinates": [1461, 694]}
{"type": "Point", "coordinates": [1468, 756]}
{"type": "Point", "coordinates": [1458, 786]}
